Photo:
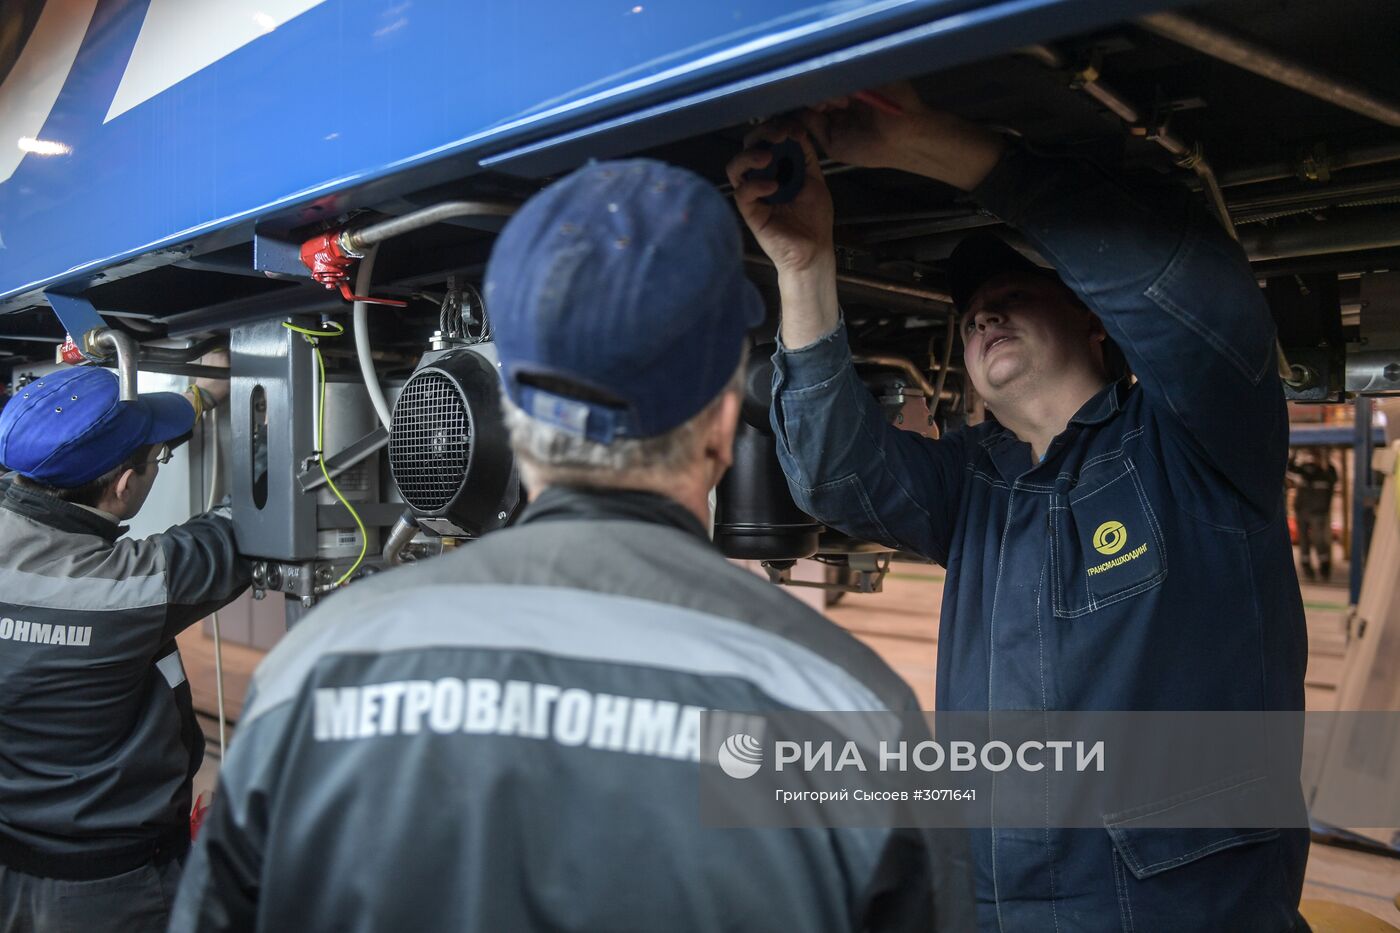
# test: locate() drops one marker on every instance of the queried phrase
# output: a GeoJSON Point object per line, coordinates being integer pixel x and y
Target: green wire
{"type": "Point", "coordinates": [311, 337]}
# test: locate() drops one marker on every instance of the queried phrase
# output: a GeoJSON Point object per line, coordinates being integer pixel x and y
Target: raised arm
{"type": "Point", "coordinates": [1171, 287]}
{"type": "Point", "coordinates": [846, 466]}
{"type": "Point", "coordinates": [204, 570]}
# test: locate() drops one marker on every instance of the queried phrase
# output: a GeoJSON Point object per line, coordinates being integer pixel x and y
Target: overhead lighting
{"type": "Point", "coordinates": [43, 146]}
{"type": "Point", "coordinates": [264, 22]}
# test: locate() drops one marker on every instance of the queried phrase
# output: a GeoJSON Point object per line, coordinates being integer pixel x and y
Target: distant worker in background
{"type": "Point", "coordinates": [508, 737]}
{"type": "Point", "coordinates": [1314, 480]}
{"type": "Point", "coordinates": [1058, 517]}
{"type": "Point", "coordinates": [98, 738]}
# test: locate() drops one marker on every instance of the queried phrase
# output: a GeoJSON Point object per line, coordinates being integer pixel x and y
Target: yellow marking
{"type": "Point", "coordinates": [1110, 537]}
{"type": "Point", "coordinates": [1134, 554]}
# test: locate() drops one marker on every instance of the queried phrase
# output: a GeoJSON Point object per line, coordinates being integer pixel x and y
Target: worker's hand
{"type": "Point", "coordinates": [797, 235]}
{"type": "Point", "coordinates": [216, 388]}
{"type": "Point", "coordinates": [852, 131]}
{"type": "Point", "coordinates": [915, 139]}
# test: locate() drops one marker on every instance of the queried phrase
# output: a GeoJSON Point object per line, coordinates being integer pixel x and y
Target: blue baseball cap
{"type": "Point", "coordinates": [618, 300]}
{"type": "Point", "coordinates": [70, 427]}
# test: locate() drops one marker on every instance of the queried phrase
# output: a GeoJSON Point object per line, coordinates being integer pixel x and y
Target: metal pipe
{"type": "Point", "coordinates": [927, 294]}
{"type": "Point", "coordinates": [403, 532]}
{"type": "Point", "coordinates": [862, 281]}
{"type": "Point", "coordinates": [181, 354]}
{"type": "Point", "coordinates": [1374, 229]}
{"type": "Point", "coordinates": [1309, 167]}
{"type": "Point", "coordinates": [1125, 111]}
{"type": "Point", "coordinates": [1196, 161]}
{"type": "Point", "coordinates": [1043, 54]}
{"type": "Point", "coordinates": [1187, 155]}
{"type": "Point", "coordinates": [904, 365]}
{"type": "Point", "coordinates": [192, 370]}
{"type": "Point", "coordinates": [104, 339]}
{"type": "Point", "coordinates": [1334, 195]}
{"type": "Point", "coordinates": [357, 241]}
{"type": "Point", "coordinates": [1250, 56]}
{"type": "Point", "coordinates": [947, 361]}
{"type": "Point", "coordinates": [363, 351]}
{"type": "Point", "coordinates": [1361, 491]}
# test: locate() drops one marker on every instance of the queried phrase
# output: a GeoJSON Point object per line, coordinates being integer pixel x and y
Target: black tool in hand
{"type": "Point", "coordinates": [788, 168]}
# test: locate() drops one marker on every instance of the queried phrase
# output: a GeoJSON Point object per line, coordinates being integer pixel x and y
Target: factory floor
{"type": "Point", "coordinates": [901, 624]}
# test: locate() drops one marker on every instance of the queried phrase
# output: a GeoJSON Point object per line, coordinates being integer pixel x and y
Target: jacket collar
{"type": "Point", "coordinates": [1012, 456]}
{"type": "Point", "coordinates": [55, 513]}
{"type": "Point", "coordinates": [580, 503]}
{"type": "Point", "coordinates": [1106, 403]}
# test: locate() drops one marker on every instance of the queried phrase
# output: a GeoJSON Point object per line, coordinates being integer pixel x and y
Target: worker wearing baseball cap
{"type": "Point", "coordinates": [1058, 516]}
{"type": "Point", "coordinates": [496, 739]}
{"type": "Point", "coordinates": [98, 740]}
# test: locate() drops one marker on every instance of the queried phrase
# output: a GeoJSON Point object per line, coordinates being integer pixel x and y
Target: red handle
{"type": "Point", "coordinates": [391, 302]}
{"type": "Point", "coordinates": [330, 265]}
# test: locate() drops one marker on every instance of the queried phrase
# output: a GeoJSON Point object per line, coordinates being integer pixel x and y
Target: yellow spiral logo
{"type": "Point", "coordinates": [1110, 537]}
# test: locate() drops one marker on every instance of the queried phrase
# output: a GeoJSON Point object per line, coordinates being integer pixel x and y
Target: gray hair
{"type": "Point", "coordinates": [551, 455]}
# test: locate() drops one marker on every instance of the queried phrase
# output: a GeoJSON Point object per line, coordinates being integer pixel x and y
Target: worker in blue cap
{"type": "Point", "coordinates": [1058, 516]}
{"type": "Point", "coordinates": [98, 739]}
{"type": "Point", "coordinates": [508, 737]}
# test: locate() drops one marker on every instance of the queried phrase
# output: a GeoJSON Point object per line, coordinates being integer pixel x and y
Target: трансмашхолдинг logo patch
{"type": "Point", "coordinates": [1109, 538]}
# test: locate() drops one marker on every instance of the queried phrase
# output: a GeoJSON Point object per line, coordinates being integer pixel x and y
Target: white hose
{"type": "Point", "coordinates": [214, 478]}
{"type": "Point", "coordinates": [362, 347]}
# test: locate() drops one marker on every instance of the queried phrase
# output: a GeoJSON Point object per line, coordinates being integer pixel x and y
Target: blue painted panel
{"type": "Point", "coordinates": [1329, 435]}
{"type": "Point", "coordinates": [354, 90]}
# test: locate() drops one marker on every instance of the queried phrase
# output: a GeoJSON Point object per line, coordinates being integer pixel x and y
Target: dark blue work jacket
{"type": "Point", "coordinates": [1144, 564]}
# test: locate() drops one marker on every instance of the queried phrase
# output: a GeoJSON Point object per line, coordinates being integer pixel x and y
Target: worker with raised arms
{"type": "Point", "coordinates": [98, 738]}
{"type": "Point", "coordinates": [1111, 543]}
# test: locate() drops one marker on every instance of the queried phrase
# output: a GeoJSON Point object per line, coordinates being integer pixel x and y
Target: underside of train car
{"type": "Point", "coordinates": [1282, 116]}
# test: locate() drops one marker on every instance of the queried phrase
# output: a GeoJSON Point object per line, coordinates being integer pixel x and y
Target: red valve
{"type": "Point", "coordinates": [197, 814]}
{"type": "Point", "coordinates": [69, 352]}
{"type": "Point", "coordinates": [330, 265]}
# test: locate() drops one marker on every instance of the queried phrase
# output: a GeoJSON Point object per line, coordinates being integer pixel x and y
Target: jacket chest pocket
{"type": "Point", "coordinates": [1105, 544]}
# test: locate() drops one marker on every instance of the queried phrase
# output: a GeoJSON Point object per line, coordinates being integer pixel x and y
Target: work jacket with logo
{"type": "Point", "coordinates": [505, 738]}
{"type": "Point", "coordinates": [98, 740]}
{"type": "Point", "coordinates": [1143, 564]}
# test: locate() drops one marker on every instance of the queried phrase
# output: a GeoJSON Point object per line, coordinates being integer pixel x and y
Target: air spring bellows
{"type": "Point", "coordinates": [755, 516]}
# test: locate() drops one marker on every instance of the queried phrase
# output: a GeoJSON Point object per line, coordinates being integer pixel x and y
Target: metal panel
{"type": "Point", "coordinates": [77, 314]}
{"type": "Point", "coordinates": [351, 92]}
{"type": "Point", "coordinates": [269, 356]}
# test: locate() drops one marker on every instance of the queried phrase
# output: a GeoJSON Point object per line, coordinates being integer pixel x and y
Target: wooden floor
{"type": "Point", "coordinates": [901, 624]}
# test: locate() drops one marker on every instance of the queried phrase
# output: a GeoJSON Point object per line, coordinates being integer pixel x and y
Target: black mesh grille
{"type": "Point", "coordinates": [430, 441]}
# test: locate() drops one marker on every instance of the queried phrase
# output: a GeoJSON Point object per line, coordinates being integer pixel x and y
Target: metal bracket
{"type": "Point", "coordinates": [1373, 372]}
{"type": "Point", "coordinates": [278, 258]}
{"type": "Point", "coordinates": [77, 315]}
{"type": "Point", "coordinates": [373, 514]}
{"type": "Point", "coordinates": [868, 571]}
{"type": "Point", "coordinates": [311, 478]}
